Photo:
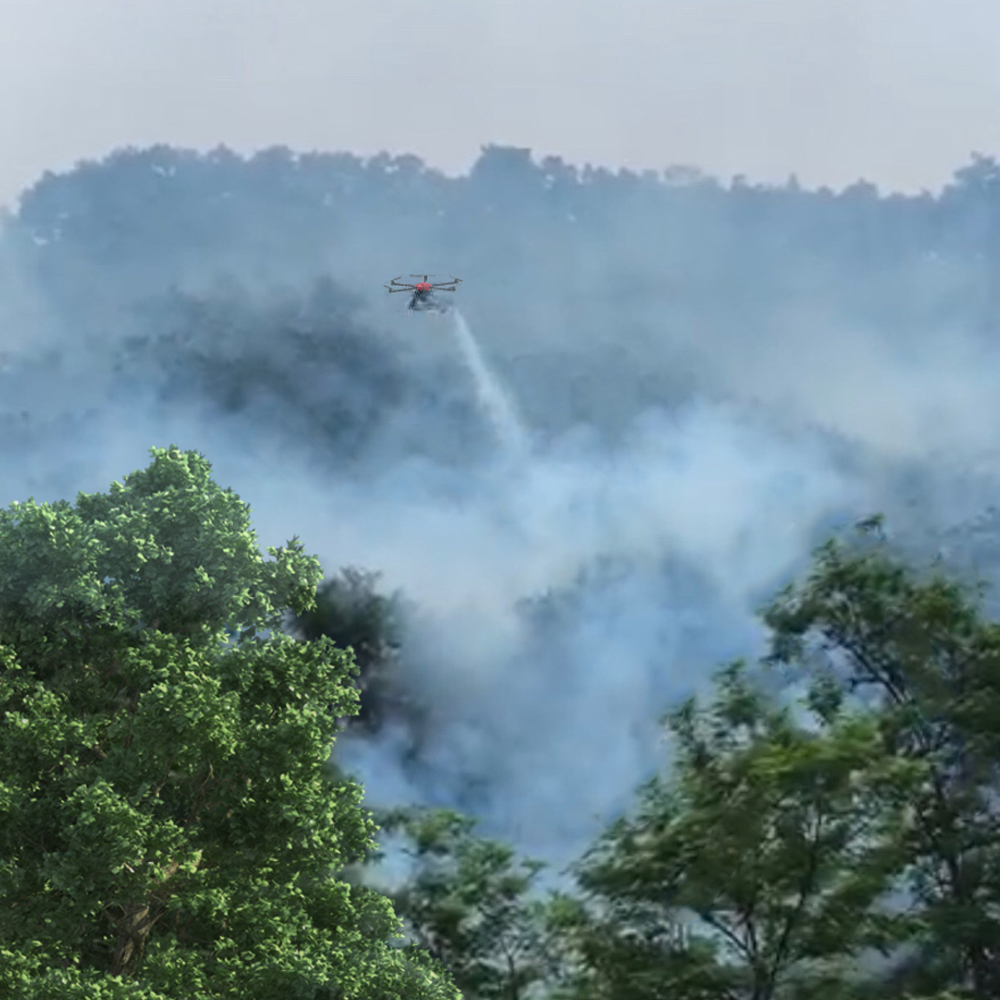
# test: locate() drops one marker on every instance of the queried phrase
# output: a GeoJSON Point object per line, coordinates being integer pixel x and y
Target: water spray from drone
{"type": "Point", "coordinates": [495, 403]}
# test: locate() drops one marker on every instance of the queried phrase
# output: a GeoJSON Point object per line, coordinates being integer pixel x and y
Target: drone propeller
{"type": "Point", "coordinates": [425, 277]}
{"type": "Point", "coordinates": [396, 285]}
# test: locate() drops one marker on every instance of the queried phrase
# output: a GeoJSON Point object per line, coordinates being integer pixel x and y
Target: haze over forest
{"type": "Point", "coordinates": [713, 376]}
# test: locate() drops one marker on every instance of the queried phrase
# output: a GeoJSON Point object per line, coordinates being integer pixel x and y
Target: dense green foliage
{"type": "Point", "coordinates": [168, 820]}
{"type": "Point", "coordinates": [350, 611]}
{"type": "Point", "coordinates": [470, 903]}
{"type": "Point", "coordinates": [920, 651]}
{"type": "Point", "coordinates": [842, 843]}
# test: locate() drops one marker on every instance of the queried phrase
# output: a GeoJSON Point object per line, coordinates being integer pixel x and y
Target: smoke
{"type": "Point", "coordinates": [585, 527]}
{"type": "Point", "coordinates": [562, 594]}
{"type": "Point", "coordinates": [566, 600]}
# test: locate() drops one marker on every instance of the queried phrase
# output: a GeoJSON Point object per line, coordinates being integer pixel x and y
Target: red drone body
{"type": "Point", "coordinates": [423, 292]}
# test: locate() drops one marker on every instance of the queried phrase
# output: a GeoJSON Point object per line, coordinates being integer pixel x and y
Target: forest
{"type": "Point", "coordinates": [692, 694]}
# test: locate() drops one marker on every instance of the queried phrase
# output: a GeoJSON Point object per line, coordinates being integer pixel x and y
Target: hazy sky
{"type": "Point", "coordinates": [899, 91]}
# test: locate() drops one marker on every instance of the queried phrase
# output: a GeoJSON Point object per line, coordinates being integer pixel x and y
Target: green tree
{"type": "Point", "coordinates": [472, 904]}
{"type": "Point", "coordinates": [755, 868]}
{"type": "Point", "coordinates": [169, 827]}
{"type": "Point", "coordinates": [917, 646]}
{"type": "Point", "coordinates": [351, 612]}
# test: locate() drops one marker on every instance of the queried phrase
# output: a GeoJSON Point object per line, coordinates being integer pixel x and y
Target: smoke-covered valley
{"type": "Point", "coordinates": [689, 385]}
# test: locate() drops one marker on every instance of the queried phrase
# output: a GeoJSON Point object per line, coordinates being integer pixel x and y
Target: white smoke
{"type": "Point", "coordinates": [656, 544]}
{"type": "Point", "coordinates": [696, 517]}
{"type": "Point", "coordinates": [666, 541]}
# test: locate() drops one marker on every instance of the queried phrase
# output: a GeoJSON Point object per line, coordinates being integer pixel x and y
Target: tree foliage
{"type": "Point", "coordinates": [756, 865]}
{"type": "Point", "coordinates": [832, 837]}
{"type": "Point", "coordinates": [171, 825]}
{"type": "Point", "coordinates": [352, 614]}
{"type": "Point", "coordinates": [841, 843]}
{"type": "Point", "coordinates": [472, 904]}
{"type": "Point", "coordinates": [918, 648]}
{"type": "Point", "coordinates": [168, 824]}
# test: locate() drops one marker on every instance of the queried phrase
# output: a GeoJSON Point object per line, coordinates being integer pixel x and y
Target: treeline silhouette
{"type": "Point", "coordinates": [578, 278]}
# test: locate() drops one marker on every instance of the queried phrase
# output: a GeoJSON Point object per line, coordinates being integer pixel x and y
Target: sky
{"type": "Point", "coordinates": [899, 92]}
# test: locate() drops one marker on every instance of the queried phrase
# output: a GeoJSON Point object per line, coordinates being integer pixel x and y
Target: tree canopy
{"type": "Point", "coordinates": [170, 826]}
{"type": "Point", "coordinates": [834, 835]}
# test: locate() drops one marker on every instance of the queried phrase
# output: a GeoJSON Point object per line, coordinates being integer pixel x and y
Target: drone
{"type": "Point", "coordinates": [423, 297]}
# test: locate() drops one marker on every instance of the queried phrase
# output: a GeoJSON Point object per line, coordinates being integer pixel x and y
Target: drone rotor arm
{"type": "Point", "coordinates": [397, 285]}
